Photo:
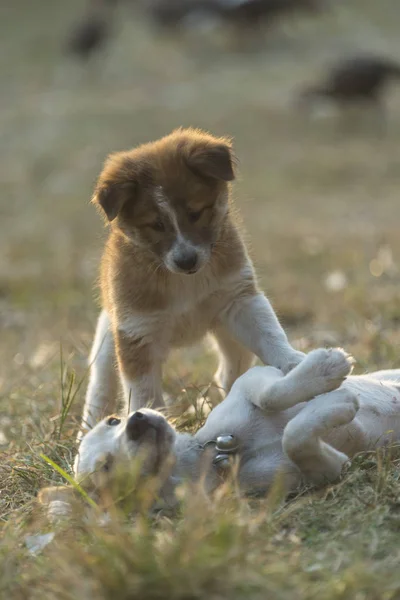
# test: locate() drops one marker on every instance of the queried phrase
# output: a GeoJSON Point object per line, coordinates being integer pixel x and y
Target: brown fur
{"type": "Point", "coordinates": [174, 268]}
{"type": "Point", "coordinates": [193, 168]}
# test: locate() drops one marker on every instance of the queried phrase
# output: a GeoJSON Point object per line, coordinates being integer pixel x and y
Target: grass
{"type": "Point", "coordinates": [319, 202]}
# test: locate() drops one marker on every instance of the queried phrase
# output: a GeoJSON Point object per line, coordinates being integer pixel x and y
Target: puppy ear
{"type": "Point", "coordinates": [215, 161]}
{"type": "Point", "coordinates": [111, 197]}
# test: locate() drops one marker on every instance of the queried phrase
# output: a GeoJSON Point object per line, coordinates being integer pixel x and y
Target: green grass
{"type": "Point", "coordinates": [319, 204]}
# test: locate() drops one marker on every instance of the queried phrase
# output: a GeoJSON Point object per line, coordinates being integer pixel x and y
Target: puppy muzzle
{"type": "Point", "coordinates": [137, 425]}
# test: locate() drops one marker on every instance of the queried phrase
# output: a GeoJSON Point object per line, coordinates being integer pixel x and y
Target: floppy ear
{"type": "Point", "coordinates": [213, 161]}
{"type": "Point", "coordinates": [112, 196]}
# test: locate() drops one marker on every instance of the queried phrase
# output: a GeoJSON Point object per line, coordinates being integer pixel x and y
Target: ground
{"type": "Point", "coordinates": [319, 202]}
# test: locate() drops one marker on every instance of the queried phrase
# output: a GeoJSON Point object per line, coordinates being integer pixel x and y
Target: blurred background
{"type": "Point", "coordinates": [318, 186]}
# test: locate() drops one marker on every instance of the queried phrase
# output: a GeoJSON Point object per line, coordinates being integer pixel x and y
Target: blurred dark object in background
{"type": "Point", "coordinates": [255, 13]}
{"type": "Point", "coordinates": [242, 13]}
{"type": "Point", "coordinates": [244, 16]}
{"type": "Point", "coordinates": [358, 79]}
{"type": "Point", "coordinates": [93, 31]}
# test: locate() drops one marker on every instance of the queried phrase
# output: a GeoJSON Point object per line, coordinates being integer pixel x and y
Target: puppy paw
{"type": "Point", "coordinates": [329, 366]}
{"type": "Point", "coordinates": [57, 501]}
{"type": "Point", "coordinates": [342, 411]}
{"type": "Point", "coordinates": [292, 361]}
{"type": "Point", "coordinates": [321, 415]}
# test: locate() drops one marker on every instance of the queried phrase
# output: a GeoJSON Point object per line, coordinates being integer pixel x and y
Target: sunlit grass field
{"type": "Point", "coordinates": [320, 203]}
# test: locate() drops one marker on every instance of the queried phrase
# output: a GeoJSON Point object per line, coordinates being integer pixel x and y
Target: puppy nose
{"type": "Point", "coordinates": [187, 260]}
{"type": "Point", "coordinates": [137, 425]}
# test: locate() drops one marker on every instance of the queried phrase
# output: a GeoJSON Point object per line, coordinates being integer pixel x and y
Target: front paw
{"type": "Point", "coordinates": [293, 359]}
{"type": "Point", "coordinates": [331, 366]}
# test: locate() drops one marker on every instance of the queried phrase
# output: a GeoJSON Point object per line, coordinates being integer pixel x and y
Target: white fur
{"type": "Point", "coordinates": [103, 378]}
{"type": "Point", "coordinates": [253, 321]}
{"type": "Point", "coordinates": [306, 424]}
{"type": "Point", "coordinates": [107, 441]}
{"type": "Point", "coordinates": [181, 243]}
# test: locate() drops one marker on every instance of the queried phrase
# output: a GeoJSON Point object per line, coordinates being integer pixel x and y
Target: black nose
{"type": "Point", "coordinates": [137, 425]}
{"type": "Point", "coordinates": [187, 260]}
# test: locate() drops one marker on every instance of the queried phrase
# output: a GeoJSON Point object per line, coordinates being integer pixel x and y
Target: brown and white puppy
{"type": "Point", "coordinates": [174, 268]}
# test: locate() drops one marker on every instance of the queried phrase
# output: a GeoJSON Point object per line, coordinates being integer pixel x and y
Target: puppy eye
{"type": "Point", "coordinates": [113, 421]}
{"type": "Point", "coordinates": [158, 225]}
{"type": "Point", "coordinates": [195, 216]}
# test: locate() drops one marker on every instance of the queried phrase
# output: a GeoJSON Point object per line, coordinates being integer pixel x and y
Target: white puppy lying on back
{"type": "Point", "coordinates": [306, 425]}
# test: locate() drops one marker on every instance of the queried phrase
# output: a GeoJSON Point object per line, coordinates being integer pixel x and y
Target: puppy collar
{"type": "Point", "coordinates": [226, 446]}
